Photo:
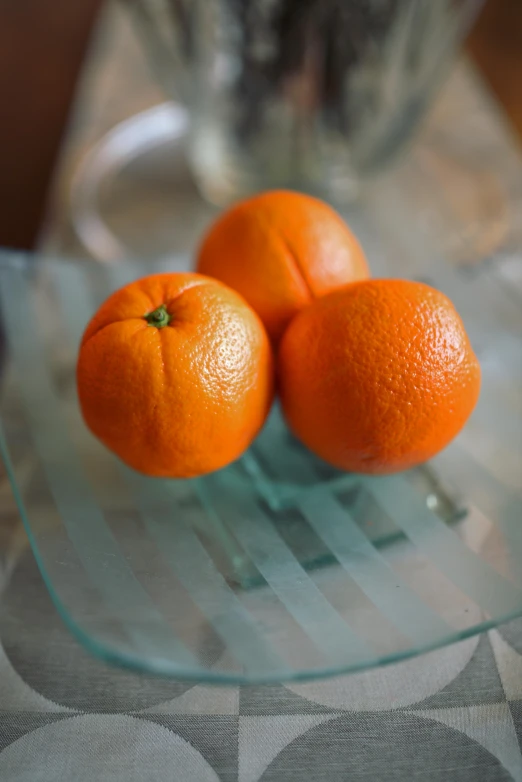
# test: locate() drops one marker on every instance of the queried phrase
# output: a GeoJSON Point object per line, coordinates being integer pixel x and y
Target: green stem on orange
{"type": "Point", "coordinates": [159, 317]}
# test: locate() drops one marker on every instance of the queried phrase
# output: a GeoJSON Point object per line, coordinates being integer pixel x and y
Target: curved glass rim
{"type": "Point", "coordinates": [165, 668]}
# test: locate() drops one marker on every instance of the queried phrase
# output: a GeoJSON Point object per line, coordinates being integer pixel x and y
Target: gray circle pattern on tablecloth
{"type": "Point", "coordinates": [463, 690]}
{"type": "Point", "coordinates": [112, 748]}
{"type": "Point", "coordinates": [359, 747]}
{"type": "Point", "coordinates": [450, 705]}
{"type": "Point", "coordinates": [403, 684]}
{"type": "Point", "coordinates": [45, 655]}
{"type": "Point", "coordinates": [446, 677]}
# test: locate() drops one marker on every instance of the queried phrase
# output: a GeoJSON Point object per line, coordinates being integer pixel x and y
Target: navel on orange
{"type": "Point", "coordinates": [175, 375]}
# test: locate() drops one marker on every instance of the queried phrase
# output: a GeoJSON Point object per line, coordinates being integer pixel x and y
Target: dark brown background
{"type": "Point", "coordinates": [42, 45]}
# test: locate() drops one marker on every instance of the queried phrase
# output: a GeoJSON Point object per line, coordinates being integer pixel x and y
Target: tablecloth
{"type": "Point", "coordinates": [453, 714]}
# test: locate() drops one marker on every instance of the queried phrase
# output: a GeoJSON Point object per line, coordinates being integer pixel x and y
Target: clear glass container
{"type": "Point", "coordinates": [314, 95]}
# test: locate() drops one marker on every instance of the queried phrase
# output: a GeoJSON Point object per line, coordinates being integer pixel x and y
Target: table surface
{"type": "Point", "coordinates": [453, 714]}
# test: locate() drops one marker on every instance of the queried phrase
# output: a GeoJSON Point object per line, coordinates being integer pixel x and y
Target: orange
{"type": "Point", "coordinates": [175, 375]}
{"type": "Point", "coordinates": [281, 250]}
{"type": "Point", "coordinates": [379, 376]}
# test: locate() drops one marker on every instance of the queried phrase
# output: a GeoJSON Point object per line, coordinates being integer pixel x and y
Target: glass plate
{"type": "Point", "coordinates": [278, 567]}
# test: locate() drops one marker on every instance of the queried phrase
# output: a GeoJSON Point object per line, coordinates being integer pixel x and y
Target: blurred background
{"type": "Point", "coordinates": [118, 118]}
